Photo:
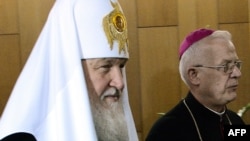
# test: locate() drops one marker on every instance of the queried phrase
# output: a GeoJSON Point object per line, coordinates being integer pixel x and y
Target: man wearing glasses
{"type": "Point", "coordinates": [210, 68]}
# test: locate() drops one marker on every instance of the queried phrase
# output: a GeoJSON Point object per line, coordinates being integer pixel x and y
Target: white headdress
{"type": "Point", "coordinates": [50, 98]}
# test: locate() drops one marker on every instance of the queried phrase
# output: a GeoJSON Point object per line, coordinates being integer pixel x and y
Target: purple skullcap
{"type": "Point", "coordinates": [192, 38]}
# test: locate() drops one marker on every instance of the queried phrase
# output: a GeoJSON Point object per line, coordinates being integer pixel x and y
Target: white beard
{"type": "Point", "coordinates": [110, 123]}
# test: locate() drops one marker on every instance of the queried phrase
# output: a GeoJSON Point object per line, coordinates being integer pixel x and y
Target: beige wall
{"type": "Point", "coordinates": [156, 28]}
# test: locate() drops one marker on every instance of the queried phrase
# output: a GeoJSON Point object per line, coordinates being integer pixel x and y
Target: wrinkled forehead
{"type": "Point", "coordinates": [219, 50]}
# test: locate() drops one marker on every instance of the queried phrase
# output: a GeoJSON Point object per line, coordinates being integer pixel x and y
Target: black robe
{"type": "Point", "coordinates": [19, 136]}
{"type": "Point", "coordinates": [178, 125]}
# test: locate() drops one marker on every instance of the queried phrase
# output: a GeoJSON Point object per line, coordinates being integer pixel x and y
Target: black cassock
{"type": "Point", "coordinates": [178, 124]}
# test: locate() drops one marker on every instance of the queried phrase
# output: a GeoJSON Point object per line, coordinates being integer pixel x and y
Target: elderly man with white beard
{"type": "Point", "coordinates": [73, 86]}
{"type": "Point", "coordinates": [105, 85]}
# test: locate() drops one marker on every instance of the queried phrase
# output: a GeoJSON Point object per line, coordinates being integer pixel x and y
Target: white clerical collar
{"type": "Point", "coordinates": [218, 113]}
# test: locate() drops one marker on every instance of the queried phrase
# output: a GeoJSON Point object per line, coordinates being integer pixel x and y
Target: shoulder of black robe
{"type": "Point", "coordinates": [20, 136]}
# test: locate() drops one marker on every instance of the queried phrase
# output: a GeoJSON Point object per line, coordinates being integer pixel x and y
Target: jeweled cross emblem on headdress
{"type": "Point", "coordinates": [115, 27]}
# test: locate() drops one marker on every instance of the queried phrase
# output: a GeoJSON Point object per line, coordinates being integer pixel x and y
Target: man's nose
{"type": "Point", "coordinates": [236, 72]}
{"type": "Point", "coordinates": [117, 78]}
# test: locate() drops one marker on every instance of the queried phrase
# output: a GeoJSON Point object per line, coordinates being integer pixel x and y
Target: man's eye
{"type": "Point", "coordinates": [122, 65]}
{"type": "Point", "coordinates": [228, 66]}
{"type": "Point", "coordinates": [106, 66]}
{"type": "Point", "coordinates": [225, 65]}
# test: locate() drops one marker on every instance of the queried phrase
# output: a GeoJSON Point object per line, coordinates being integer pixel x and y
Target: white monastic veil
{"type": "Point", "coordinates": [50, 97]}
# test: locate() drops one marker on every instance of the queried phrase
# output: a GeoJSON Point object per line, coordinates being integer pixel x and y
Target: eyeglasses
{"type": "Point", "coordinates": [228, 67]}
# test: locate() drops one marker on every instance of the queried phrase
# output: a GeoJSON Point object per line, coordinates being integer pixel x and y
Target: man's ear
{"type": "Point", "coordinates": [193, 76]}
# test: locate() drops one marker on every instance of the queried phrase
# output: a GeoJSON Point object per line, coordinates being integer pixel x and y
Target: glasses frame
{"type": "Point", "coordinates": [228, 67]}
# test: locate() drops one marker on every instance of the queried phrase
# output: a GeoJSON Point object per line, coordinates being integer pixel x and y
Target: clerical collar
{"type": "Point", "coordinates": [218, 113]}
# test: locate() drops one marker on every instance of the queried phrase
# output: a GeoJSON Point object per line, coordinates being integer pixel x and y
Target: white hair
{"type": "Point", "coordinates": [194, 53]}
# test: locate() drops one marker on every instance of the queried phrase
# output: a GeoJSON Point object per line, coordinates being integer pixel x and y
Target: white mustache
{"type": "Point", "coordinates": [111, 92]}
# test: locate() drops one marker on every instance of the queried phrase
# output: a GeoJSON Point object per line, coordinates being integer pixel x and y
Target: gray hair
{"type": "Point", "coordinates": [193, 54]}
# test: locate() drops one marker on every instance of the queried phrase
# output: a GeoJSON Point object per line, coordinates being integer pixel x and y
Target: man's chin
{"type": "Point", "coordinates": [109, 119]}
{"type": "Point", "coordinates": [231, 96]}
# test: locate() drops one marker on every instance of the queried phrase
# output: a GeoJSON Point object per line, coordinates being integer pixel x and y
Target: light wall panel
{"type": "Point", "coordinates": [233, 11]}
{"type": "Point", "coordinates": [8, 17]}
{"type": "Point", "coordinates": [10, 66]}
{"type": "Point", "coordinates": [158, 72]}
{"type": "Point", "coordinates": [207, 14]}
{"type": "Point", "coordinates": [157, 13]}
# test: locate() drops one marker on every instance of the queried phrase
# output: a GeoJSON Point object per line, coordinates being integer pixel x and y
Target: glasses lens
{"type": "Point", "coordinates": [230, 66]}
{"type": "Point", "coordinates": [238, 65]}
